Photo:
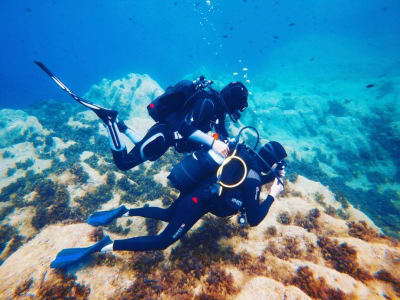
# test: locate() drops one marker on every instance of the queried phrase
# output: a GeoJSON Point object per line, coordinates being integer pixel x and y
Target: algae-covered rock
{"type": "Point", "coordinates": [129, 95]}
{"type": "Point", "coordinates": [16, 126]}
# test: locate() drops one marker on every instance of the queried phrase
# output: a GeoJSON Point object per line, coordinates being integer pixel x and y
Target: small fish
{"type": "Point", "coordinates": [231, 28]}
{"type": "Point", "coordinates": [291, 24]}
{"type": "Point", "coordinates": [225, 36]}
{"type": "Point", "coordinates": [245, 69]}
{"type": "Point", "coordinates": [370, 85]}
{"type": "Point", "coordinates": [235, 74]}
{"type": "Point", "coordinates": [276, 37]}
{"type": "Point", "coordinates": [28, 9]}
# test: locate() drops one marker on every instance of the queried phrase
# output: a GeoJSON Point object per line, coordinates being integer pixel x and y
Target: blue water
{"type": "Point", "coordinates": [85, 41]}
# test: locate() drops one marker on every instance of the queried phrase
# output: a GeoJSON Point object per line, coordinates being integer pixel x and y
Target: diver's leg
{"type": "Point", "coordinates": [186, 214]}
{"type": "Point", "coordinates": [114, 137]}
{"type": "Point", "coordinates": [163, 214]}
{"type": "Point", "coordinates": [130, 133]}
{"type": "Point", "coordinates": [155, 143]}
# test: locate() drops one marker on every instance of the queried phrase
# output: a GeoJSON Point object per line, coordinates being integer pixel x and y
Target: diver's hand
{"type": "Point", "coordinates": [276, 188]}
{"type": "Point", "coordinates": [221, 148]}
{"type": "Point", "coordinates": [282, 173]}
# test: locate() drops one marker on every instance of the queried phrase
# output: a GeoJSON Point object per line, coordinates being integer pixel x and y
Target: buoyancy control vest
{"type": "Point", "coordinates": [177, 98]}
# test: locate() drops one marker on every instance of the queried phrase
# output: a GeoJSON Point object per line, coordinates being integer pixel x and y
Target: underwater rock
{"type": "Point", "coordinates": [16, 126]}
{"type": "Point", "coordinates": [129, 95]}
{"type": "Point", "coordinates": [266, 288]}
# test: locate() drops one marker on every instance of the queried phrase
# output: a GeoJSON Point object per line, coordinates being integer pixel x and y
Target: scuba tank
{"type": "Point", "coordinates": [194, 168]}
{"type": "Point", "coordinates": [202, 163]}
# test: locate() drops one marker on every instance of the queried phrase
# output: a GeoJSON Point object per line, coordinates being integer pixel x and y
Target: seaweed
{"type": "Point", "coordinates": [152, 226]}
{"type": "Point", "coordinates": [92, 161]}
{"type": "Point", "coordinates": [343, 214]}
{"type": "Point", "coordinates": [58, 167]}
{"type": "Point", "coordinates": [111, 179]}
{"type": "Point", "coordinates": [20, 188]}
{"type": "Point", "coordinates": [93, 200]}
{"type": "Point", "coordinates": [15, 242]}
{"type": "Point", "coordinates": [330, 210]}
{"type": "Point", "coordinates": [315, 288]}
{"type": "Point", "coordinates": [319, 198]}
{"type": "Point", "coordinates": [284, 218]}
{"type": "Point", "coordinates": [146, 261]}
{"type": "Point", "coordinates": [103, 168]}
{"type": "Point", "coordinates": [52, 204]}
{"type": "Point", "coordinates": [5, 211]}
{"type": "Point", "coordinates": [200, 249]}
{"type": "Point", "coordinates": [309, 222]}
{"type": "Point", "coordinates": [59, 285]}
{"type": "Point", "coordinates": [7, 154]}
{"type": "Point", "coordinates": [168, 200]}
{"type": "Point", "coordinates": [10, 172]}
{"type": "Point", "coordinates": [291, 248]}
{"type": "Point", "coordinates": [144, 189]}
{"type": "Point", "coordinates": [361, 230]}
{"type": "Point", "coordinates": [22, 288]}
{"type": "Point", "coordinates": [342, 258]}
{"type": "Point", "coordinates": [143, 288]}
{"type": "Point", "coordinates": [96, 234]}
{"type": "Point", "coordinates": [128, 198]}
{"type": "Point", "coordinates": [218, 284]}
{"type": "Point", "coordinates": [7, 233]}
{"type": "Point", "coordinates": [271, 231]}
{"type": "Point", "coordinates": [118, 229]}
{"type": "Point", "coordinates": [81, 176]}
{"type": "Point", "coordinates": [73, 153]}
{"type": "Point", "coordinates": [386, 276]}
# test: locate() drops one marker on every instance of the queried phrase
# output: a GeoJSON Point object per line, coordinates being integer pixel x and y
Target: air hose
{"type": "Point", "coordinates": [232, 157]}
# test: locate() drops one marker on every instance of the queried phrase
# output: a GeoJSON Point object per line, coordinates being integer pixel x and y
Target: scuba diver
{"type": "Point", "coordinates": [249, 170]}
{"type": "Point", "coordinates": [183, 114]}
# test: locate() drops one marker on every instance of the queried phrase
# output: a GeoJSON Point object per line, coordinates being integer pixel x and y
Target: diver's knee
{"type": "Point", "coordinates": [165, 244]}
{"type": "Point", "coordinates": [153, 147]}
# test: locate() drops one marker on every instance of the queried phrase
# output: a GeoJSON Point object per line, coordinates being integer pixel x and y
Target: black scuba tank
{"type": "Point", "coordinates": [194, 168]}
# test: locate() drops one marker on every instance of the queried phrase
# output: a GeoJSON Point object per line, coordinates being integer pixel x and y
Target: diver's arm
{"type": "Point", "coordinates": [267, 178]}
{"type": "Point", "coordinates": [202, 112]}
{"type": "Point", "coordinates": [220, 128]}
{"type": "Point", "coordinates": [200, 137]}
{"type": "Point", "coordinates": [255, 210]}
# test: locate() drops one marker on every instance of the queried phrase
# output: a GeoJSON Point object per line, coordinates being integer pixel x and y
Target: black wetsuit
{"type": "Point", "coordinates": [206, 114]}
{"type": "Point", "coordinates": [190, 207]}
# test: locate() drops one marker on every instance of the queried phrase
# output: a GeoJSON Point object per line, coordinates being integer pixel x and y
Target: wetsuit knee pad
{"type": "Point", "coordinates": [153, 147]}
{"type": "Point", "coordinates": [156, 142]}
